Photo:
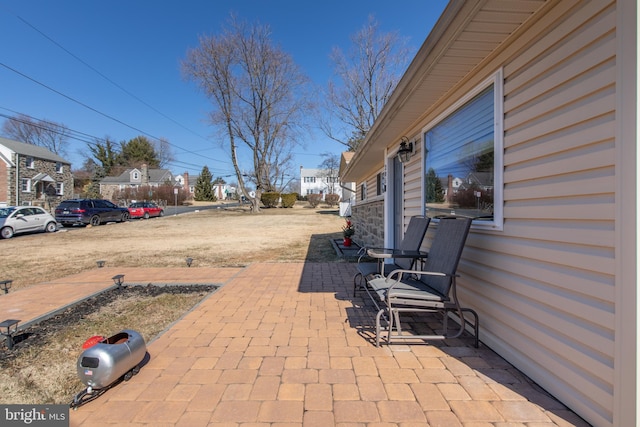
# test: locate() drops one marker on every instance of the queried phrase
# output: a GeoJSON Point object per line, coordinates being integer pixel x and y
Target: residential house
{"type": "Point", "coordinates": [543, 96]}
{"type": "Point", "coordinates": [183, 181]}
{"type": "Point", "coordinates": [33, 175]}
{"type": "Point", "coordinates": [221, 191]}
{"type": "Point", "coordinates": [319, 181]}
{"type": "Point", "coordinates": [134, 177]}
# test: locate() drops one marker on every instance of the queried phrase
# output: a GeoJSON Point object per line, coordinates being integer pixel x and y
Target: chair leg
{"type": "Point", "coordinates": [357, 284]}
{"type": "Point", "coordinates": [476, 325]}
{"type": "Point", "coordinates": [378, 328]}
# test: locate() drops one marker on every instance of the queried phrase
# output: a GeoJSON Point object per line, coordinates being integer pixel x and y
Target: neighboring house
{"type": "Point", "coordinates": [183, 181]}
{"type": "Point", "coordinates": [224, 191]}
{"type": "Point", "coordinates": [135, 177]}
{"type": "Point", "coordinates": [544, 95]}
{"type": "Point", "coordinates": [33, 175]}
{"type": "Point", "coordinates": [318, 181]}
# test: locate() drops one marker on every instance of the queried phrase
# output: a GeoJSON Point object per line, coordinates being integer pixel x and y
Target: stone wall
{"type": "Point", "coordinates": [38, 196]}
{"type": "Point", "coordinates": [368, 218]}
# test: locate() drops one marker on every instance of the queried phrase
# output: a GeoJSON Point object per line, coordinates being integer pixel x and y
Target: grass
{"type": "Point", "coordinates": [46, 373]}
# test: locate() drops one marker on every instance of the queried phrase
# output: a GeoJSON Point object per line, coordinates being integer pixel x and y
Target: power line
{"type": "Point", "coordinates": [100, 112]}
{"type": "Point", "coordinates": [84, 137]}
{"type": "Point", "coordinates": [76, 57]}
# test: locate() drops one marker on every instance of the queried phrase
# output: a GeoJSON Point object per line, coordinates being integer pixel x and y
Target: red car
{"type": "Point", "coordinates": [145, 210]}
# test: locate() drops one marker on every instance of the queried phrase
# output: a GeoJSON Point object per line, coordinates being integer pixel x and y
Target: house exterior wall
{"type": "Point", "coordinates": [36, 197]}
{"type": "Point", "coordinates": [367, 213]}
{"type": "Point", "coordinates": [318, 181]}
{"type": "Point", "coordinates": [547, 285]}
{"type": "Point", "coordinates": [368, 219]}
{"type": "Point", "coordinates": [4, 183]}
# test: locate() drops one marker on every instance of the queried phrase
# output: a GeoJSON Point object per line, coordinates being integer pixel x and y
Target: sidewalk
{"type": "Point", "coordinates": [285, 344]}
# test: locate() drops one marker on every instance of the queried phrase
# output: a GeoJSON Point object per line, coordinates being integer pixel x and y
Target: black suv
{"type": "Point", "coordinates": [89, 211]}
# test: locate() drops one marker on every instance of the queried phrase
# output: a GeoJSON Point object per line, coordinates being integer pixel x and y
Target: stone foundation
{"type": "Point", "coordinates": [368, 219]}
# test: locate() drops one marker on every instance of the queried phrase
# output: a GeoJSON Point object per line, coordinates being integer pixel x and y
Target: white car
{"type": "Point", "coordinates": [25, 219]}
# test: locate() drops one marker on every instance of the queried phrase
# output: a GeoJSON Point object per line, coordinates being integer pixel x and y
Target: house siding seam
{"type": "Point", "coordinates": [545, 286]}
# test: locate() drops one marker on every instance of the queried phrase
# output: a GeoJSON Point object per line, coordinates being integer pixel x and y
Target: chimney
{"type": "Point", "coordinates": [145, 174]}
{"type": "Point", "coordinates": [186, 182]}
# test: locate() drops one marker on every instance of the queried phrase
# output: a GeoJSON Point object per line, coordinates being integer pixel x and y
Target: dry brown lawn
{"type": "Point", "coordinates": [46, 372]}
{"type": "Point", "coordinates": [213, 238]}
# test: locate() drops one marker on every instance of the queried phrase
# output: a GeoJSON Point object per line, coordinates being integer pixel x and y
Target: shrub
{"type": "Point", "coordinates": [314, 200]}
{"type": "Point", "coordinates": [270, 199]}
{"type": "Point", "coordinates": [288, 200]}
{"type": "Point", "coordinates": [332, 199]}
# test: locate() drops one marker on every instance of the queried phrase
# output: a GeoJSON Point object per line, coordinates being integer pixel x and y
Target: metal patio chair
{"type": "Point", "coordinates": [412, 240]}
{"type": "Point", "coordinates": [432, 289]}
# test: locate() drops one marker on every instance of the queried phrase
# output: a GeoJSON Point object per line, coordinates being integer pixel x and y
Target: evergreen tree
{"type": "Point", "coordinates": [204, 187]}
{"type": "Point", "coordinates": [435, 192]}
{"type": "Point", "coordinates": [137, 151]}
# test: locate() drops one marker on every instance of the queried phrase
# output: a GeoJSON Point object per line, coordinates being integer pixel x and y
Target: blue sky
{"type": "Point", "coordinates": [138, 45]}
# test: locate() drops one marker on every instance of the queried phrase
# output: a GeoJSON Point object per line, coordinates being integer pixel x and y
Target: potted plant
{"type": "Point", "coordinates": [347, 232]}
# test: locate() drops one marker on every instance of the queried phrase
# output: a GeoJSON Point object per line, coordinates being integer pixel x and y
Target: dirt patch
{"type": "Point", "coordinates": [39, 332]}
{"type": "Point", "coordinates": [41, 369]}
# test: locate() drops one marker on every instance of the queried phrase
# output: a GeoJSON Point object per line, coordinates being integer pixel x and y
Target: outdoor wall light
{"type": "Point", "coordinates": [189, 261]}
{"type": "Point", "coordinates": [100, 263]}
{"type": "Point", "coordinates": [406, 150]}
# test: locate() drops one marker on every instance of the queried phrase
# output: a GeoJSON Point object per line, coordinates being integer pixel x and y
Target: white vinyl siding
{"type": "Point", "coordinates": [548, 286]}
{"type": "Point", "coordinates": [545, 286]}
{"type": "Point", "coordinates": [413, 183]}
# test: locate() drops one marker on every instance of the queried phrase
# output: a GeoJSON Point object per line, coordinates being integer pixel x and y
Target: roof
{"type": "Point", "coordinates": [465, 36]}
{"type": "Point", "coordinates": [155, 176]}
{"type": "Point", "coordinates": [32, 150]}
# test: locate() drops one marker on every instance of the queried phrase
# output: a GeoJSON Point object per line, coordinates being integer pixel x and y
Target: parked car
{"type": "Point", "coordinates": [25, 219]}
{"type": "Point", "coordinates": [90, 212]}
{"type": "Point", "coordinates": [145, 210]}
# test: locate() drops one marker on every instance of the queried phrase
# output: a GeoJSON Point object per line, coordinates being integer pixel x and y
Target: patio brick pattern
{"type": "Point", "coordinates": [285, 344]}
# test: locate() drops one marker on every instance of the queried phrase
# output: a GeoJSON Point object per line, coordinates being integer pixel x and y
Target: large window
{"type": "Point", "coordinates": [463, 162]}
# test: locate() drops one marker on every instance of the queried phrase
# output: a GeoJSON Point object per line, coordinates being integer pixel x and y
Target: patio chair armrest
{"type": "Point", "coordinates": [417, 273]}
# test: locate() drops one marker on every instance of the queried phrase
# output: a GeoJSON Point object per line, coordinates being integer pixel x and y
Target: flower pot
{"type": "Point", "coordinates": [346, 241]}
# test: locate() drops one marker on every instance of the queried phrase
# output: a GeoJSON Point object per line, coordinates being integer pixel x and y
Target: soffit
{"type": "Point", "coordinates": [464, 36]}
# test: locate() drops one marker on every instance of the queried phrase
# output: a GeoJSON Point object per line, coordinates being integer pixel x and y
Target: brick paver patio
{"type": "Point", "coordinates": [285, 344]}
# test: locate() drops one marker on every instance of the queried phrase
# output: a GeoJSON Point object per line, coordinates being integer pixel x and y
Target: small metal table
{"type": "Point", "coordinates": [384, 253]}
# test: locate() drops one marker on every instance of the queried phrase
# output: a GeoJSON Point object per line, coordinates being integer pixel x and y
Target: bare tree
{"type": "Point", "coordinates": [367, 75]}
{"type": "Point", "coordinates": [53, 136]}
{"type": "Point", "coordinates": [330, 167]}
{"type": "Point", "coordinates": [164, 152]}
{"type": "Point", "coordinates": [256, 90]}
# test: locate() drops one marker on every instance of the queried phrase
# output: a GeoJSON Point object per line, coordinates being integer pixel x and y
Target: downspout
{"type": "Point", "coordinates": [17, 179]}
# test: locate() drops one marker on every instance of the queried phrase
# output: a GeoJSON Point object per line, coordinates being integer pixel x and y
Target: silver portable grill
{"type": "Point", "coordinates": [102, 365]}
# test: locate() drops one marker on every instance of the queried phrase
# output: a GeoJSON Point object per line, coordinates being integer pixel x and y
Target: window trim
{"type": "Point", "coordinates": [30, 162]}
{"type": "Point", "coordinates": [497, 80]}
{"type": "Point", "coordinates": [59, 167]}
{"type": "Point", "coordinates": [381, 183]}
{"type": "Point", "coordinates": [25, 181]}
